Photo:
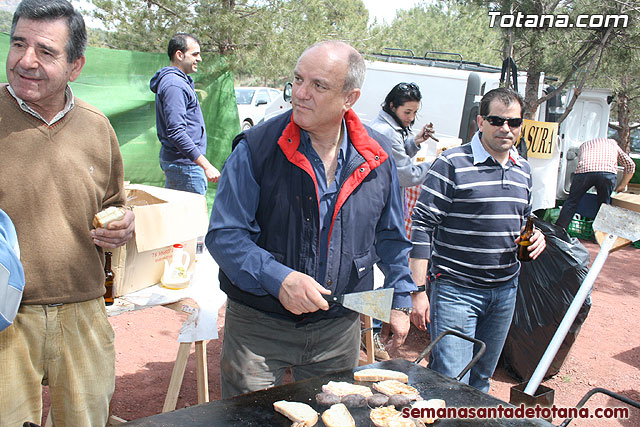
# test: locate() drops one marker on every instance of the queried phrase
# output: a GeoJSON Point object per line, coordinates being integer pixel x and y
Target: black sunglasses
{"type": "Point", "coordinates": [407, 87]}
{"type": "Point", "coordinates": [499, 121]}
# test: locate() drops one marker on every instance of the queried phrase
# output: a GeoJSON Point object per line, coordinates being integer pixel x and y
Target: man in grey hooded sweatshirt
{"type": "Point", "coordinates": [179, 120]}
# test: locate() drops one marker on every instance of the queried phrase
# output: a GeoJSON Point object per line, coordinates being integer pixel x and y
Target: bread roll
{"type": "Point", "coordinates": [386, 416]}
{"type": "Point", "coordinates": [338, 416]}
{"type": "Point", "coordinates": [375, 375]}
{"type": "Point", "coordinates": [103, 218]}
{"type": "Point", "coordinates": [393, 387]}
{"type": "Point", "coordinates": [296, 411]}
{"type": "Point", "coordinates": [342, 388]}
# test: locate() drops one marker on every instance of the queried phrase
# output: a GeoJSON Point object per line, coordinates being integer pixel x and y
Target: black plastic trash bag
{"type": "Point", "coordinates": [546, 288]}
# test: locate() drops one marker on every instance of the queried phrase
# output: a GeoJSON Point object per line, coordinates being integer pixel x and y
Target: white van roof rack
{"type": "Point", "coordinates": [432, 59]}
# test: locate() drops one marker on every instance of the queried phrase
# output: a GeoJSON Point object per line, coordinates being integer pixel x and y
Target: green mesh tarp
{"type": "Point", "coordinates": [117, 82]}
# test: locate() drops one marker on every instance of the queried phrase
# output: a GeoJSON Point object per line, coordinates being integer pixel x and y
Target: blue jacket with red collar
{"type": "Point", "coordinates": [280, 230]}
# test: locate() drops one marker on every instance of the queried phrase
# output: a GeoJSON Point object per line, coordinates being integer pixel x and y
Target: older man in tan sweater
{"type": "Point", "coordinates": [60, 165]}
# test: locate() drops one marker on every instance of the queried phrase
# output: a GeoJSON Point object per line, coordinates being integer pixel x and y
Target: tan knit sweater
{"type": "Point", "coordinates": [53, 179]}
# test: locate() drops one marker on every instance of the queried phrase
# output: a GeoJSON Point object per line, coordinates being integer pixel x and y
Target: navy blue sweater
{"type": "Point", "coordinates": [179, 120]}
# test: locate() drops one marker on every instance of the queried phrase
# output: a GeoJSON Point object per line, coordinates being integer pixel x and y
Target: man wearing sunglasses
{"type": "Point", "coordinates": [474, 201]}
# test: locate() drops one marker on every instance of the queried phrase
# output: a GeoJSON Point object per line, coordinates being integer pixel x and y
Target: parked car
{"type": "Point", "coordinates": [252, 103]}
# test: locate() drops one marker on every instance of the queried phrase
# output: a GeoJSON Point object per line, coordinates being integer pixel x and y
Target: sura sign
{"type": "Point", "coordinates": [540, 137]}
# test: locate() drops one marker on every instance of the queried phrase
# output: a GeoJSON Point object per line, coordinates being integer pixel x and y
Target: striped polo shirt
{"type": "Point", "coordinates": [470, 211]}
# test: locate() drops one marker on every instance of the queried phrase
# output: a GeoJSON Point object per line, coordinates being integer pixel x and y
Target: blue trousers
{"type": "Point", "coordinates": [484, 314]}
{"type": "Point", "coordinates": [604, 182]}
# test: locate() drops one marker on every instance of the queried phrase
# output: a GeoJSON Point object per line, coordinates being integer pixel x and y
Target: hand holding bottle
{"type": "Point", "coordinates": [531, 242]}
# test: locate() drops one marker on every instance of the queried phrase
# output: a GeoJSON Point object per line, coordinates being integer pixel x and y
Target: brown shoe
{"type": "Point", "coordinates": [379, 352]}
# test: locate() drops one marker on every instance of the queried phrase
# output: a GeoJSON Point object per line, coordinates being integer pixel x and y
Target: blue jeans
{"type": "Point", "coordinates": [376, 325]}
{"type": "Point", "coordinates": [484, 314]}
{"type": "Point", "coordinates": [604, 182]}
{"type": "Point", "coordinates": [184, 177]}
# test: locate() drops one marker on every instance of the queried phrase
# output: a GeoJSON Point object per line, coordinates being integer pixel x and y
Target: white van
{"type": "Point", "coordinates": [451, 92]}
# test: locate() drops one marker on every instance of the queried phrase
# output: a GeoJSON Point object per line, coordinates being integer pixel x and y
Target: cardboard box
{"type": "Point", "coordinates": [627, 200]}
{"type": "Point", "coordinates": [163, 217]}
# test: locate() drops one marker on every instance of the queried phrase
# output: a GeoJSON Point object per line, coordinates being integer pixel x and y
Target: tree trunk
{"type": "Point", "coordinates": [531, 94]}
{"type": "Point", "coordinates": [531, 101]}
{"type": "Point", "coordinates": [623, 118]}
{"type": "Point", "coordinates": [227, 46]}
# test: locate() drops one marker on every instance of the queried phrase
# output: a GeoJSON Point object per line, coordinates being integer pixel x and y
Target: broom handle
{"type": "Point", "coordinates": [570, 316]}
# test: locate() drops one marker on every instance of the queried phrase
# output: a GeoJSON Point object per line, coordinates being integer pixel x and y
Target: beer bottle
{"type": "Point", "coordinates": [108, 282]}
{"type": "Point", "coordinates": [525, 242]}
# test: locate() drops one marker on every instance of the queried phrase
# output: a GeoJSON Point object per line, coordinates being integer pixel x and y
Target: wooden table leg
{"type": "Point", "coordinates": [114, 421]}
{"type": "Point", "coordinates": [369, 347]}
{"type": "Point", "coordinates": [187, 306]}
{"type": "Point", "coordinates": [171, 400]}
{"type": "Point", "coordinates": [201, 371]}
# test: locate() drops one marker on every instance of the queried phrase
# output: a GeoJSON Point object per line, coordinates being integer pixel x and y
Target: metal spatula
{"type": "Point", "coordinates": [376, 303]}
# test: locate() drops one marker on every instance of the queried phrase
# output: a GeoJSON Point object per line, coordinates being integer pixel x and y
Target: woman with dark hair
{"type": "Point", "coordinates": [394, 121]}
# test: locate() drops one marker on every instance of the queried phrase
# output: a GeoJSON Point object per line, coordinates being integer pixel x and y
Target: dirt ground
{"type": "Point", "coordinates": [606, 353]}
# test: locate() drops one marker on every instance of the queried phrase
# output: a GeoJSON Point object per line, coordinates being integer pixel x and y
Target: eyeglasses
{"type": "Point", "coordinates": [499, 121]}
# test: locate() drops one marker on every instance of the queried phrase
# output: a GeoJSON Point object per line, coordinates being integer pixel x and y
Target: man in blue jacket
{"type": "Point", "coordinates": [307, 203]}
{"type": "Point", "coordinates": [179, 120]}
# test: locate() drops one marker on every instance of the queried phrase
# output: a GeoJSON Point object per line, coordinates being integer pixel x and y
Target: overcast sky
{"type": "Point", "coordinates": [385, 10]}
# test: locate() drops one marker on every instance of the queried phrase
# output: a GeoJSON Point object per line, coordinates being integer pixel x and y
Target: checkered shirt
{"type": "Point", "coordinates": [411, 195]}
{"type": "Point", "coordinates": [603, 155]}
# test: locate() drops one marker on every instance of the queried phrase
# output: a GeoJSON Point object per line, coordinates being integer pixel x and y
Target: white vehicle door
{"type": "Point", "coordinates": [589, 119]}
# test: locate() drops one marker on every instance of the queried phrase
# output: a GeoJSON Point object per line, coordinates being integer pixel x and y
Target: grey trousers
{"type": "Point", "coordinates": [258, 348]}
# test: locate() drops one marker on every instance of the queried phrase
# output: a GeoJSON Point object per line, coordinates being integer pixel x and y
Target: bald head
{"type": "Point", "coordinates": [344, 53]}
{"type": "Point", "coordinates": [326, 84]}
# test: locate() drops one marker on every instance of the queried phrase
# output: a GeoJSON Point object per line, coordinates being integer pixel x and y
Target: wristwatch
{"type": "Point", "coordinates": [405, 310]}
